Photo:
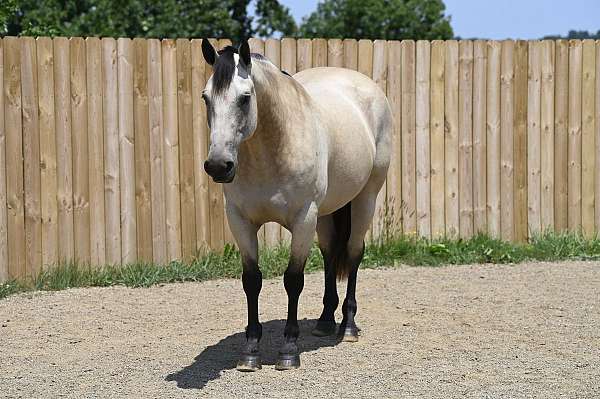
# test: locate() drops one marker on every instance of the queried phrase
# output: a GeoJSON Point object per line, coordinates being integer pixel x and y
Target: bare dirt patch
{"type": "Point", "coordinates": [531, 330]}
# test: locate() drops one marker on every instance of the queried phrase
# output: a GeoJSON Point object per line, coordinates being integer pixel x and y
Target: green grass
{"type": "Point", "coordinates": [401, 250]}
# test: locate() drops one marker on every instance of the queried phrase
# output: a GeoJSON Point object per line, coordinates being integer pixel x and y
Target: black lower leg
{"type": "Point", "coordinates": [326, 324]}
{"type": "Point", "coordinates": [289, 355]}
{"type": "Point", "coordinates": [252, 282]}
{"type": "Point", "coordinates": [330, 298]}
{"type": "Point", "coordinates": [294, 283]}
{"type": "Point", "coordinates": [348, 326]}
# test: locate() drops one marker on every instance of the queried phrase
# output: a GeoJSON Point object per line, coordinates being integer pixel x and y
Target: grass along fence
{"type": "Point", "coordinates": [550, 247]}
{"type": "Point", "coordinates": [102, 143]}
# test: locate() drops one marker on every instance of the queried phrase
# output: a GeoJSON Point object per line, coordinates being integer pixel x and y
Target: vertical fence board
{"type": "Point", "coordinates": [479, 137]}
{"type": "Point", "coordinates": [14, 158]}
{"type": "Point", "coordinates": [506, 140]}
{"type": "Point", "coordinates": [156, 126]}
{"type": "Point", "coordinates": [143, 203]}
{"type": "Point", "coordinates": [438, 52]}
{"type": "Point", "coordinates": [13, 151]}
{"type": "Point", "coordinates": [394, 177]}
{"type": "Point", "coordinates": [31, 157]}
{"type": "Point", "coordinates": [380, 77]}
{"type": "Point", "coordinates": [273, 53]}
{"type": "Point", "coordinates": [561, 119]}
{"type": "Point", "coordinates": [112, 193]}
{"type": "Point", "coordinates": [451, 138]}
{"type": "Point", "coordinates": [64, 150]}
{"type": "Point", "coordinates": [365, 57]}
{"type": "Point", "coordinates": [79, 108]}
{"type": "Point", "coordinates": [409, 222]}
{"type": "Point", "coordinates": [95, 152]}
{"type": "Point", "coordinates": [3, 221]}
{"type": "Point", "coordinates": [186, 148]}
{"type": "Point", "coordinates": [534, 182]}
{"type": "Point", "coordinates": [319, 56]}
{"type": "Point", "coordinates": [288, 55]}
{"type": "Point", "coordinates": [520, 141]}
{"type": "Point", "coordinates": [125, 63]}
{"type": "Point", "coordinates": [465, 137]}
{"type": "Point", "coordinates": [547, 136]}
{"type": "Point", "coordinates": [171, 150]}
{"type": "Point", "coordinates": [351, 54]}
{"type": "Point", "coordinates": [256, 46]}
{"type": "Point", "coordinates": [335, 53]}
{"type": "Point", "coordinates": [200, 137]}
{"type": "Point", "coordinates": [422, 138]}
{"type": "Point", "coordinates": [588, 140]}
{"type": "Point", "coordinates": [493, 165]}
{"type": "Point", "coordinates": [304, 57]}
{"type": "Point", "coordinates": [574, 135]}
{"type": "Point", "coordinates": [597, 133]}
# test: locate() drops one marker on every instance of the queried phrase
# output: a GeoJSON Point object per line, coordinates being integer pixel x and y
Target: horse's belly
{"type": "Point", "coordinates": [348, 173]}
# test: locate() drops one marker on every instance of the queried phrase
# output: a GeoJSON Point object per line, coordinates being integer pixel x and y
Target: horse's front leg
{"type": "Point", "coordinates": [244, 233]}
{"type": "Point", "coordinates": [303, 231]}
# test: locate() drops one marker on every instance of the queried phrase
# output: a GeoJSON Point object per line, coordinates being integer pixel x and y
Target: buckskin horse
{"type": "Point", "coordinates": [310, 152]}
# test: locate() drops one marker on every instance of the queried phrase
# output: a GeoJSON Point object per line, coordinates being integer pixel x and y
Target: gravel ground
{"type": "Point", "coordinates": [481, 331]}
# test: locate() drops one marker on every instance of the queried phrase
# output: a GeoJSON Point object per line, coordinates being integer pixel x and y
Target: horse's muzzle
{"type": "Point", "coordinates": [221, 171]}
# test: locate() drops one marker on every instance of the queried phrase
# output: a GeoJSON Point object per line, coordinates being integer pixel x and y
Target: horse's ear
{"type": "Point", "coordinates": [208, 51]}
{"type": "Point", "coordinates": [244, 52]}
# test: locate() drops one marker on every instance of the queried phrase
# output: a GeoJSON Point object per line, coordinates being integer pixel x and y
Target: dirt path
{"type": "Point", "coordinates": [531, 330]}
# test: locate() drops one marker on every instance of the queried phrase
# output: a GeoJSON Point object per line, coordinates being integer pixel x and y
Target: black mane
{"type": "Point", "coordinates": [224, 68]}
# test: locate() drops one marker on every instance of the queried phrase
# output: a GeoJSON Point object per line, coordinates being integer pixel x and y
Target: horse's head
{"type": "Point", "coordinates": [231, 107]}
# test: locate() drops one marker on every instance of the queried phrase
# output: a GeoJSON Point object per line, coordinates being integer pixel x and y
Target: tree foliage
{"type": "Point", "coordinates": [144, 18]}
{"type": "Point", "coordinates": [576, 34]}
{"type": "Point", "coordinates": [378, 19]}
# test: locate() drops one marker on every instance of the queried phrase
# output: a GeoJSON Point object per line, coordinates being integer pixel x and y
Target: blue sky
{"type": "Point", "coordinates": [501, 19]}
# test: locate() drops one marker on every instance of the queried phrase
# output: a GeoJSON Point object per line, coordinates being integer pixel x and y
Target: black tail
{"type": "Point", "coordinates": [339, 251]}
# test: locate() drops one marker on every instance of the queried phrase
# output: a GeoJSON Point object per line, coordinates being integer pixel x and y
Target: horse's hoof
{"type": "Point", "coordinates": [348, 334]}
{"type": "Point", "coordinates": [324, 328]}
{"type": "Point", "coordinates": [249, 363]}
{"type": "Point", "coordinates": [287, 362]}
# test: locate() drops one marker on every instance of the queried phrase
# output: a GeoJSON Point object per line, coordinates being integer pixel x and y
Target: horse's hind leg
{"type": "Point", "coordinates": [326, 234]}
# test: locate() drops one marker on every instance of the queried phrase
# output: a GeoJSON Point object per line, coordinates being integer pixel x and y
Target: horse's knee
{"type": "Point", "coordinates": [293, 281]}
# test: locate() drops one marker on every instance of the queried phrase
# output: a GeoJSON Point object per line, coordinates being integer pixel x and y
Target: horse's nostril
{"type": "Point", "coordinates": [228, 166]}
{"type": "Point", "coordinates": [207, 167]}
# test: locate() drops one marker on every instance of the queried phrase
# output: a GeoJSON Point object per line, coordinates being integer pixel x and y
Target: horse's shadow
{"type": "Point", "coordinates": [222, 356]}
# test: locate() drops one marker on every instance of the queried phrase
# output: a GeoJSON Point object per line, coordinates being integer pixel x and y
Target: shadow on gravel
{"type": "Point", "coordinates": [222, 356]}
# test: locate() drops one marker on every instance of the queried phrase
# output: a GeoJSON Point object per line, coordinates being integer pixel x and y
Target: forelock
{"type": "Point", "coordinates": [224, 69]}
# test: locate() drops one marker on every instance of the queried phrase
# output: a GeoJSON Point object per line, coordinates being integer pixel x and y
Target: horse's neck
{"type": "Point", "coordinates": [278, 97]}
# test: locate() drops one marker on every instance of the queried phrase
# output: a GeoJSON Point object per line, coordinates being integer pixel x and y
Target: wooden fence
{"type": "Point", "coordinates": [102, 143]}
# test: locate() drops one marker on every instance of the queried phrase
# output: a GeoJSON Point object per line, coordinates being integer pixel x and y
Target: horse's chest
{"type": "Point", "coordinates": [266, 202]}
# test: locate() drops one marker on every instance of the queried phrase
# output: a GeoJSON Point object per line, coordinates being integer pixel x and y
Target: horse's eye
{"type": "Point", "coordinates": [205, 97]}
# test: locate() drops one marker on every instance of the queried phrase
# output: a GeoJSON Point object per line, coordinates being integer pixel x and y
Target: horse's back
{"type": "Point", "coordinates": [349, 97]}
{"type": "Point", "coordinates": [358, 119]}
{"type": "Point", "coordinates": [339, 88]}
